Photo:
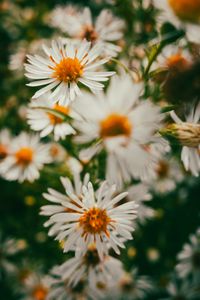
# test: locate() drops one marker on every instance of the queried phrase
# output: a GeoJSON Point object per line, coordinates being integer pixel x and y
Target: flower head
{"type": "Point", "coordinates": [93, 217]}
{"type": "Point", "coordinates": [64, 67]}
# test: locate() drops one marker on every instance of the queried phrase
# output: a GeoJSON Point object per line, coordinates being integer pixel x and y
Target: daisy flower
{"type": "Point", "coordinates": [177, 289]}
{"type": "Point", "coordinates": [46, 122]}
{"type": "Point", "coordinates": [189, 258]}
{"type": "Point", "coordinates": [188, 134]}
{"type": "Point", "coordinates": [27, 156]}
{"type": "Point", "coordinates": [168, 174]}
{"type": "Point", "coordinates": [64, 67]}
{"type": "Point", "coordinates": [5, 142]}
{"type": "Point", "coordinates": [132, 286]}
{"type": "Point", "coordinates": [118, 120]}
{"type": "Point", "coordinates": [79, 25]}
{"type": "Point", "coordinates": [182, 13]}
{"type": "Point", "coordinates": [93, 217]}
{"type": "Point", "coordinates": [92, 268]}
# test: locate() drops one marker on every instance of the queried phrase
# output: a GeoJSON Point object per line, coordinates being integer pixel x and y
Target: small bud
{"type": "Point", "coordinates": [187, 134]}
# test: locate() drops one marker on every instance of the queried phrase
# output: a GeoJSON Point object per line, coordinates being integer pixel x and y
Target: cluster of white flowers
{"type": "Point", "coordinates": [118, 129]}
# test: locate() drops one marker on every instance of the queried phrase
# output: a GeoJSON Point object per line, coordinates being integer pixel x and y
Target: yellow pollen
{"type": "Point", "coordinates": [95, 221]}
{"type": "Point", "coordinates": [3, 151]}
{"type": "Point", "coordinates": [162, 169]}
{"type": "Point", "coordinates": [68, 69]}
{"type": "Point", "coordinates": [24, 156]}
{"type": "Point", "coordinates": [187, 10]}
{"type": "Point", "coordinates": [58, 108]}
{"type": "Point", "coordinates": [115, 125]}
{"type": "Point", "coordinates": [177, 61]}
{"type": "Point", "coordinates": [39, 293]}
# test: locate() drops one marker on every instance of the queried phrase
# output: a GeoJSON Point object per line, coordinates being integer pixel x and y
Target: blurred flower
{"type": "Point", "coordinates": [132, 286]}
{"type": "Point", "coordinates": [140, 194]}
{"type": "Point", "coordinates": [188, 135]}
{"type": "Point", "coordinates": [189, 258]}
{"type": "Point", "coordinates": [93, 217]}
{"type": "Point", "coordinates": [45, 121]}
{"type": "Point", "coordinates": [185, 13]}
{"type": "Point", "coordinates": [64, 68]}
{"type": "Point", "coordinates": [5, 140]}
{"type": "Point", "coordinates": [119, 122]}
{"type": "Point", "coordinates": [57, 152]}
{"type": "Point", "coordinates": [180, 290]}
{"type": "Point", "coordinates": [78, 24]}
{"type": "Point", "coordinates": [27, 156]}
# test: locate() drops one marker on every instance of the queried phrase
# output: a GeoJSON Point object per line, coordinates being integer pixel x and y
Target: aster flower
{"type": "Point", "coordinates": [132, 286]}
{"type": "Point", "coordinates": [45, 121]}
{"type": "Point", "coordinates": [78, 24]}
{"type": "Point", "coordinates": [93, 217]}
{"type": "Point", "coordinates": [27, 156]}
{"type": "Point", "coordinates": [188, 134]}
{"type": "Point", "coordinates": [189, 258]}
{"type": "Point", "coordinates": [64, 67]}
{"type": "Point", "coordinates": [168, 174]}
{"type": "Point", "coordinates": [182, 13]}
{"type": "Point", "coordinates": [5, 141]}
{"type": "Point", "coordinates": [118, 120]}
{"type": "Point", "coordinates": [177, 289]}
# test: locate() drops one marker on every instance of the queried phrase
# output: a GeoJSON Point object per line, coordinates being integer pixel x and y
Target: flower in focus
{"type": "Point", "coordinates": [188, 133]}
{"type": "Point", "coordinates": [185, 13]}
{"type": "Point", "coordinates": [45, 121]}
{"type": "Point", "coordinates": [78, 24]}
{"type": "Point", "coordinates": [92, 218]}
{"type": "Point", "coordinates": [5, 140]}
{"type": "Point", "coordinates": [189, 258]}
{"type": "Point", "coordinates": [27, 156]}
{"type": "Point", "coordinates": [64, 67]}
{"type": "Point", "coordinates": [119, 122]}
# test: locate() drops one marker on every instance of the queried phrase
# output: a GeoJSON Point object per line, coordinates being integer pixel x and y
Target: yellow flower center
{"type": "Point", "coordinates": [3, 151]}
{"type": "Point", "coordinates": [55, 119]}
{"type": "Point", "coordinates": [177, 61]}
{"type": "Point", "coordinates": [187, 10]}
{"type": "Point", "coordinates": [94, 221]}
{"type": "Point", "coordinates": [68, 69]}
{"type": "Point", "coordinates": [24, 156]}
{"type": "Point", "coordinates": [39, 293]}
{"type": "Point", "coordinates": [89, 34]}
{"type": "Point", "coordinates": [115, 125]}
{"type": "Point", "coordinates": [162, 169]}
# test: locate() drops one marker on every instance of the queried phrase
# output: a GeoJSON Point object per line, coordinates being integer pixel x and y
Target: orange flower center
{"type": "Point", "coordinates": [39, 293]}
{"type": "Point", "coordinates": [188, 10]}
{"type": "Point", "coordinates": [94, 221]}
{"type": "Point", "coordinates": [115, 125]}
{"type": "Point", "coordinates": [162, 169]}
{"type": "Point", "coordinates": [24, 156]}
{"type": "Point", "coordinates": [58, 108]}
{"type": "Point", "coordinates": [3, 151]}
{"type": "Point", "coordinates": [68, 69]}
{"type": "Point", "coordinates": [89, 34]}
{"type": "Point", "coordinates": [177, 61]}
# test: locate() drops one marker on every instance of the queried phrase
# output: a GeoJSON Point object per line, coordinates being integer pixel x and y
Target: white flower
{"type": "Point", "coordinates": [27, 156]}
{"type": "Point", "coordinates": [46, 122]}
{"type": "Point", "coordinates": [180, 290]}
{"type": "Point", "coordinates": [124, 126]}
{"type": "Point", "coordinates": [64, 67]}
{"type": "Point", "coordinates": [93, 217]}
{"type": "Point", "coordinates": [78, 24]}
{"type": "Point", "coordinates": [168, 174]}
{"type": "Point", "coordinates": [132, 286]}
{"type": "Point", "coordinates": [182, 13]}
{"type": "Point", "coordinates": [105, 273]}
{"type": "Point", "coordinates": [5, 141]}
{"type": "Point", "coordinates": [190, 155]}
{"type": "Point", "coordinates": [140, 194]}
{"type": "Point", "coordinates": [189, 258]}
